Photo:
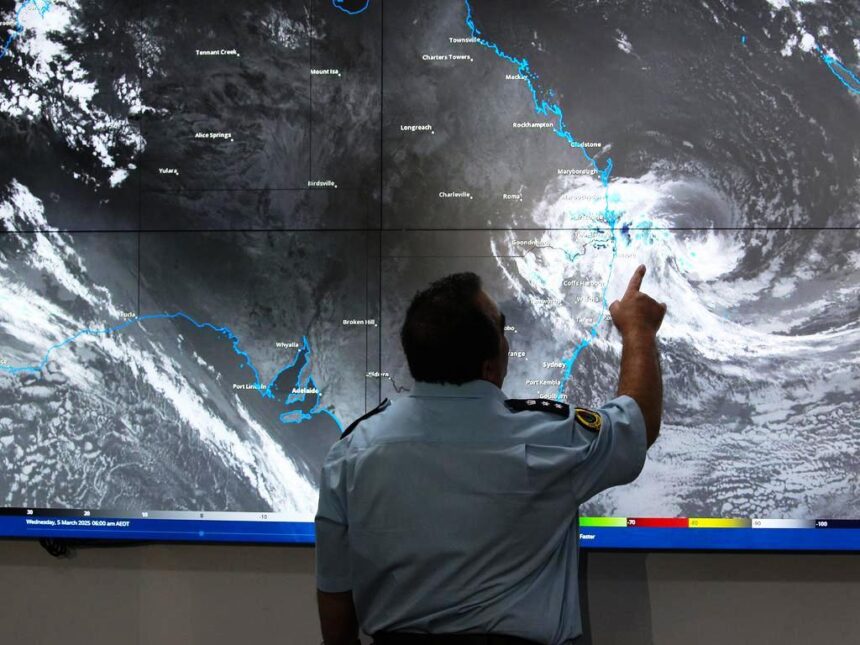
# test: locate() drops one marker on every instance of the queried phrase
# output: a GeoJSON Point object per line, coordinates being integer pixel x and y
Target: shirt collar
{"type": "Point", "coordinates": [478, 389]}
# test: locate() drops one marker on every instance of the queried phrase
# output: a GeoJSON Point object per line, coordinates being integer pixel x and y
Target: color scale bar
{"type": "Point", "coordinates": [837, 524]}
{"type": "Point", "coordinates": [658, 522]}
{"type": "Point", "coordinates": [603, 522]}
{"type": "Point", "coordinates": [713, 523]}
{"type": "Point", "coordinates": [763, 523]}
{"type": "Point", "coordinates": [719, 523]}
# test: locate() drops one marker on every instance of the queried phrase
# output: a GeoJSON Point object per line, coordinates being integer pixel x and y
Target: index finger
{"type": "Point", "coordinates": [636, 280]}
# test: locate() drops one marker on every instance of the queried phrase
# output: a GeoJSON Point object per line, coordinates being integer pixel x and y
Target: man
{"type": "Point", "coordinates": [450, 515]}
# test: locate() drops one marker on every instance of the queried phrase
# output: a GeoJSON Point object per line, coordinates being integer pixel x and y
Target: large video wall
{"type": "Point", "coordinates": [214, 214]}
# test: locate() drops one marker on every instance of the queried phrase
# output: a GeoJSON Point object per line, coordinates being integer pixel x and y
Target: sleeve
{"type": "Point", "coordinates": [614, 454]}
{"type": "Point", "coordinates": [333, 569]}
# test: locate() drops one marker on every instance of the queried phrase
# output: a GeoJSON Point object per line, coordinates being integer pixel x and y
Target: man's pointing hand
{"type": "Point", "coordinates": [637, 312]}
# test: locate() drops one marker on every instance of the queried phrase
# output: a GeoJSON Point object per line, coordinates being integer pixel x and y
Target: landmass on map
{"type": "Point", "coordinates": [212, 219]}
{"type": "Point", "coordinates": [178, 283]}
{"type": "Point", "coordinates": [733, 178]}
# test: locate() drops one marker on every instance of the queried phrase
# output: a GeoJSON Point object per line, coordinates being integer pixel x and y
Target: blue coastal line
{"type": "Point", "coordinates": [542, 106]}
{"type": "Point", "coordinates": [338, 4]}
{"type": "Point", "coordinates": [303, 381]}
{"type": "Point", "coordinates": [553, 110]}
{"type": "Point", "coordinates": [41, 6]}
{"type": "Point", "coordinates": [847, 77]}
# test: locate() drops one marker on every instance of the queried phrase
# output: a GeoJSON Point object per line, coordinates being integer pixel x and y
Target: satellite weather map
{"type": "Point", "coordinates": [213, 216]}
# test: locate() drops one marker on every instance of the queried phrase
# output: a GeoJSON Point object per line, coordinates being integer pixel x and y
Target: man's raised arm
{"type": "Point", "coordinates": [638, 317]}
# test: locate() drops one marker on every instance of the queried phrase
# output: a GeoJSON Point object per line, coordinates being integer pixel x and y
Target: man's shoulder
{"type": "Point", "coordinates": [555, 408]}
{"type": "Point", "coordinates": [404, 418]}
{"type": "Point", "coordinates": [538, 421]}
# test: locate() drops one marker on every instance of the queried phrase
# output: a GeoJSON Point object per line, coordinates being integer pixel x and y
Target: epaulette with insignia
{"type": "Point", "coordinates": [379, 408]}
{"type": "Point", "coordinates": [542, 405]}
{"type": "Point", "coordinates": [588, 419]}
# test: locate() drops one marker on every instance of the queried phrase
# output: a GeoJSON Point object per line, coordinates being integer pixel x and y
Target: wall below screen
{"type": "Point", "coordinates": [168, 594]}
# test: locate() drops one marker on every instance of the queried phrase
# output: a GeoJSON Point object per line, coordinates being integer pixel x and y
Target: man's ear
{"type": "Point", "coordinates": [490, 371]}
{"type": "Point", "coordinates": [486, 370]}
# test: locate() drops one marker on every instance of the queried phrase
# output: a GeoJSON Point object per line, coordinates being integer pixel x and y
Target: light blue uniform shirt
{"type": "Point", "coordinates": [447, 512]}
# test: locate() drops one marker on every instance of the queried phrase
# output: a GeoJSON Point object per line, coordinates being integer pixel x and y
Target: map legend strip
{"type": "Point", "coordinates": [837, 524]}
{"type": "Point", "coordinates": [658, 522]}
{"type": "Point", "coordinates": [603, 522]}
{"type": "Point", "coordinates": [762, 523]}
{"type": "Point", "coordinates": [719, 523]}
